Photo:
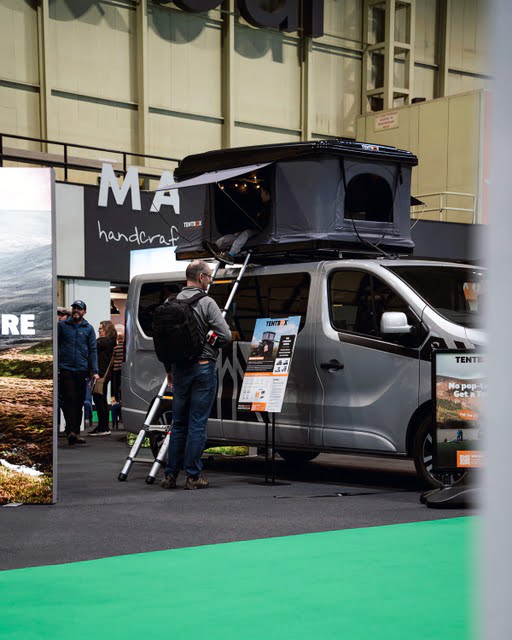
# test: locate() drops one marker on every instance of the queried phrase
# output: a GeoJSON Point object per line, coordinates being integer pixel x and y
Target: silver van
{"type": "Point", "coordinates": [360, 379]}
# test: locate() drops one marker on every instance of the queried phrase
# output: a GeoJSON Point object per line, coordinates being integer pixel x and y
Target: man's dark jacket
{"type": "Point", "coordinates": [77, 346]}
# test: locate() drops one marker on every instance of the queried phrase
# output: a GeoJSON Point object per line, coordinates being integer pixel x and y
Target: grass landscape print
{"type": "Point", "coordinates": [26, 424]}
{"type": "Point", "coordinates": [453, 415]}
{"type": "Point", "coordinates": [26, 337]}
{"type": "Point", "coordinates": [456, 412]}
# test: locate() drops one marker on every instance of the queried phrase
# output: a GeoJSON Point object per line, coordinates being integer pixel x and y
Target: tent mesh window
{"type": "Point", "coordinates": [369, 197]}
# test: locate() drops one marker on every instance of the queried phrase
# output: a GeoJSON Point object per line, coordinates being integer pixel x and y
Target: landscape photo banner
{"type": "Point", "coordinates": [459, 391]}
{"type": "Point", "coordinates": [27, 331]}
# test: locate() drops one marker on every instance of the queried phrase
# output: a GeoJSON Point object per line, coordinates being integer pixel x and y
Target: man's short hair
{"type": "Point", "coordinates": [195, 268]}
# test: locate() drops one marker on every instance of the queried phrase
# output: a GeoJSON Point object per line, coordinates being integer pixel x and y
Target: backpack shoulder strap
{"type": "Point", "coordinates": [192, 299]}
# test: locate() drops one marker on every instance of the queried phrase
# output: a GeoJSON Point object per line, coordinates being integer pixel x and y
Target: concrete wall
{"type": "Point", "coordinates": [151, 78]}
{"type": "Point", "coordinates": [96, 296]}
{"type": "Point", "coordinates": [449, 137]}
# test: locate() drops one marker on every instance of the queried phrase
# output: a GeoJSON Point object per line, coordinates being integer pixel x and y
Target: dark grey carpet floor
{"type": "Point", "coordinates": [98, 516]}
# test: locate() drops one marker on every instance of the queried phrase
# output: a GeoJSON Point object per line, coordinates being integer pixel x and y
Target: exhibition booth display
{"type": "Point", "coordinates": [27, 363]}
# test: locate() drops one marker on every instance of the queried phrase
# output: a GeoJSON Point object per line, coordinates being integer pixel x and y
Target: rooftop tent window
{"type": "Point", "coordinates": [369, 197]}
{"type": "Point", "coordinates": [243, 203]}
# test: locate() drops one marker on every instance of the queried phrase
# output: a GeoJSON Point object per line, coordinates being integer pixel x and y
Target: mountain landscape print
{"type": "Point", "coordinates": [26, 337]}
{"type": "Point", "coordinates": [460, 390]}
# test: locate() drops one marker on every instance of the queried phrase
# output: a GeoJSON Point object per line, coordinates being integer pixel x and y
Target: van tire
{"type": "Point", "coordinates": [297, 457]}
{"type": "Point", "coordinates": [423, 448]}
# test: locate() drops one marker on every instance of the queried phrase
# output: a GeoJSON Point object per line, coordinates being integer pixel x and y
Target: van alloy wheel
{"type": "Point", "coordinates": [423, 450]}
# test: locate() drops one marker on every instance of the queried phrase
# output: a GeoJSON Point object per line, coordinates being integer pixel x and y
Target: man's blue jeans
{"type": "Point", "coordinates": [194, 391]}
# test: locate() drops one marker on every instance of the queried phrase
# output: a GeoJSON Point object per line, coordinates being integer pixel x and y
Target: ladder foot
{"type": "Point", "coordinates": [122, 477]}
{"type": "Point", "coordinates": [150, 480]}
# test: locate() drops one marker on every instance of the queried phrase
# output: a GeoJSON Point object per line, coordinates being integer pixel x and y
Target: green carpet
{"type": "Point", "coordinates": [395, 582]}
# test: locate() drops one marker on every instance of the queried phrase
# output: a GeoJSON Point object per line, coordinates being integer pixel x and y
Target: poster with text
{"type": "Point", "coordinates": [460, 389]}
{"type": "Point", "coordinates": [27, 318]}
{"type": "Point", "coordinates": [268, 364]}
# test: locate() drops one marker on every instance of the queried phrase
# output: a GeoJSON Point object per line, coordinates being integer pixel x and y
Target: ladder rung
{"type": "Point", "coordinates": [143, 460]}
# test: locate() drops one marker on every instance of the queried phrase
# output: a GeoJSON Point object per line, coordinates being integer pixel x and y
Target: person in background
{"type": "Point", "coordinates": [62, 314]}
{"type": "Point", "coordinates": [77, 354]}
{"type": "Point", "coordinates": [116, 368]}
{"type": "Point", "coordinates": [88, 405]}
{"type": "Point", "coordinates": [115, 391]}
{"type": "Point", "coordinates": [107, 339]}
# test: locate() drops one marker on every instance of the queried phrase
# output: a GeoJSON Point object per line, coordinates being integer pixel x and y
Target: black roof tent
{"type": "Point", "coordinates": [319, 196]}
{"type": "Point", "coordinates": [197, 164]}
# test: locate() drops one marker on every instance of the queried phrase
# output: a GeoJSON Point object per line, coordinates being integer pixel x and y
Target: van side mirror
{"type": "Point", "coordinates": [394, 322]}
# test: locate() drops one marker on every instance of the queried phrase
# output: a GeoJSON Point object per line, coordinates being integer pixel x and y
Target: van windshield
{"type": "Point", "coordinates": [456, 293]}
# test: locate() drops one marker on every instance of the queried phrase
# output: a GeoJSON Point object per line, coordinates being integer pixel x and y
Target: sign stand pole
{"type": "Point", "coordinates": [270, 418]}
{"type": "Point", "coordinates": [266, 447]}
{"type": "Point", "coordinates": [273, 448]}
{"type": "Point", "coordinates": [465, 495]}
{"type": "Point", "coordinates": [452, 497]}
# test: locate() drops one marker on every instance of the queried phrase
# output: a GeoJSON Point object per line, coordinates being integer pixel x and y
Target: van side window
{"type": "Point", "coordinates": [265, 296]}
{"type": "Point", "coordinates": [153, 294]}
{"type": "Point", "coordinates": [357, 301]}
{"type": "Point", "coordinates": [349, 302]}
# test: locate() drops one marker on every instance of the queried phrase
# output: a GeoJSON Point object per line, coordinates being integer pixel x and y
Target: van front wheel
{"type": "Point", "coordinates": [297, 457]}
{"type": "Point", "coordinates": [423, 450]}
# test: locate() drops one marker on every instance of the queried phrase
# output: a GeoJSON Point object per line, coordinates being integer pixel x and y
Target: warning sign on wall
{"type": "Point", "coordinates": [389, 120]}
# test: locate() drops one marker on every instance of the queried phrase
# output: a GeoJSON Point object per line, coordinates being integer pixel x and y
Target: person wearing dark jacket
{"type": "Point", "coordinates": [107, 338]}
{"type": "Point", "coordinates": [78, 358]}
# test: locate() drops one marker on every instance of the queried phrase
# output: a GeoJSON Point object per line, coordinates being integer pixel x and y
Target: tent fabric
{"type": "Point", "coordinates": [214, 176]}
{"type": "Point", "coordinates": [197, 164]}
{"type": "Point", "coordinates": [337, 195]}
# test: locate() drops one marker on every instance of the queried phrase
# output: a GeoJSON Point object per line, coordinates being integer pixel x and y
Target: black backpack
{"type": "Point", "coordinates": [176, 333]}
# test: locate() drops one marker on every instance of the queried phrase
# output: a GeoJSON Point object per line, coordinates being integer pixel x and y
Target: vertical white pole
{"type": "Point", "coordinates": [496, 556]}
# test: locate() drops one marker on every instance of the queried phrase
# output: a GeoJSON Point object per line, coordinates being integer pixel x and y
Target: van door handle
{"type": "Point", "coordinates": [332, 365]}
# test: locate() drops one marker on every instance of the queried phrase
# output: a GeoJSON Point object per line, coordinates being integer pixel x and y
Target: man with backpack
{"type": "Point", "coordinates": [188, 332]}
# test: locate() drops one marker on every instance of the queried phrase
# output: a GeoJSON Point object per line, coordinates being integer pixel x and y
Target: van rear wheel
{"type": "Point", "coordinates": [423, 450]}
{"type": "Point", "coordinates": [297, 457]}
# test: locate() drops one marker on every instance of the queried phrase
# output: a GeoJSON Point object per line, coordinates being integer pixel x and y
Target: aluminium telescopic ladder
{"type": "Point", "coordinates": [148, 426]}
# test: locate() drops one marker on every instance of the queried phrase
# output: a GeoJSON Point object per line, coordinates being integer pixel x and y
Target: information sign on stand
{"type": "Point", "coordinates": [266, 375]}
{"type": "Point", "coordinates": [459, 388]}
